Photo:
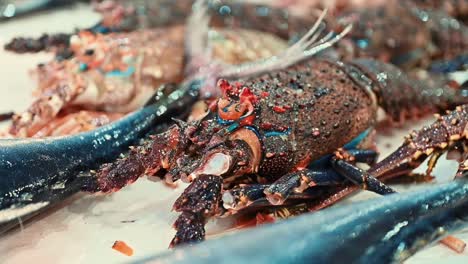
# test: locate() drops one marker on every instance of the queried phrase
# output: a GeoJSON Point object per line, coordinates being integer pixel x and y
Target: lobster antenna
{"type": "Point", "coordinates": [305, 48]}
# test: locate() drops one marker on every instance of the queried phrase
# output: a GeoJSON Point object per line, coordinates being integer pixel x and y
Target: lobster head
{"type": "Point", "coordinates": [221, 143]}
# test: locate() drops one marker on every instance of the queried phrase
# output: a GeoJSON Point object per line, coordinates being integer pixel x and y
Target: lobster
{"type": "Point", "coordinates": [24, 191]}
{"type": "Point", "coordinates": [127, 16]}
{"type": "Point", "coordinates": [382, 29]}
{"type": "Point", "coordinates": [238, 99]}
{"type": "Point", "coordinates": [455, 8]}
{"type": "Point", "coordinates": [109, 81]}
{"type": "Point", "coordinates": [263, 139]}
{"type": "Point", "coordinates": [117, 73]}
{"type": "Point", "coordinates": [402, 33]}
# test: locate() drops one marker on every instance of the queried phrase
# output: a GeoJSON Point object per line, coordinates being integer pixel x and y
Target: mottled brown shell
{"type": "Point", "coordinates": [315, 107]}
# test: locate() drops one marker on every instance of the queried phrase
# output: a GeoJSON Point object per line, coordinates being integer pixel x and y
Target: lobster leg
{"type": "Point", "coordinates": [463, 167]}
{"type": "Point", "coordinates": [360, 177]}
{"type": "Point", "coordinates": [198, 201]}
{"type": "Point", "coordinates": [445, 134]}
{"type": "Point", "coordinates": [298, 181]}
{"type": "Point", "coordinates": [442, 135]}
{"type": "Point", "coordinates": [248, 197]}
{"type": "Point", "coordinates": [366, 156]}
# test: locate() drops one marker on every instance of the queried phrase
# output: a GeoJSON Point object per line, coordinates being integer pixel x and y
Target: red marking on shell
{"type": "Point", "coordinates": [266, 126]}
{"type": "Point", "coordinates": [279, 109]}
{"type": "Point", "coordinates": [302, 164]}
{"type": "Point", "coordinates": [248, 121]}
{"type": "Point", "coordinates": [265, 94]}
{"type": "Point", "coordinates": [246, 95]}
{"type": "Point", "coordinates": [228, 109]}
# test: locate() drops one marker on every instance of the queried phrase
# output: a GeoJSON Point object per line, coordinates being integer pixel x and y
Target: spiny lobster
{"type": "Point", "coordinates": [402, 33]}
{"type": "Point", "coordinates": [24, 191]}
{"type": "Point", "coordinates": [264, 136]}
{"type": "Point", "coordinates": [115, 81]}
{"type": "Point", "coordinates": [118, 72]}
{"type": "Point", "coordinates": [240, 100]}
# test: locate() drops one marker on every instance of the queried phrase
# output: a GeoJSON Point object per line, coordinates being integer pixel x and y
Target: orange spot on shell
{"type": "Point", "coordinates": [123, 248]}
{"type": "Point", "coordinates": [230, 112]}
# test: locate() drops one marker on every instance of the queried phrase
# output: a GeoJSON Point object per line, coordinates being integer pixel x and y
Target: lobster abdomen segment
{"type": "Point", "coordinates": [402, 97]}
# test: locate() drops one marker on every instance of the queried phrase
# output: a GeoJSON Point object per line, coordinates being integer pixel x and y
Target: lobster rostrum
{"type": "Point", "coordinates": [264, 136]}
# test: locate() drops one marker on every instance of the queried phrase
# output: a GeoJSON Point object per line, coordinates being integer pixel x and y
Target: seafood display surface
{"type": "Point", "coordinates": [249, 117]}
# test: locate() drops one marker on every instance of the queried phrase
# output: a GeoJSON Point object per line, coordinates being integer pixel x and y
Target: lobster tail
{"type": "Point", "coordinates": [403, 97]}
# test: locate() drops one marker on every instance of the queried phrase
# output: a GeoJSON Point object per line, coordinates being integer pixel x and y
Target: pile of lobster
{"type": "Point", "coordinates": [283, 107]}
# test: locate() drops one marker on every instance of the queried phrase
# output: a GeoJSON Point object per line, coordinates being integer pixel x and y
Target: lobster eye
{"type": "Point", "coordinates": [89, 52]}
